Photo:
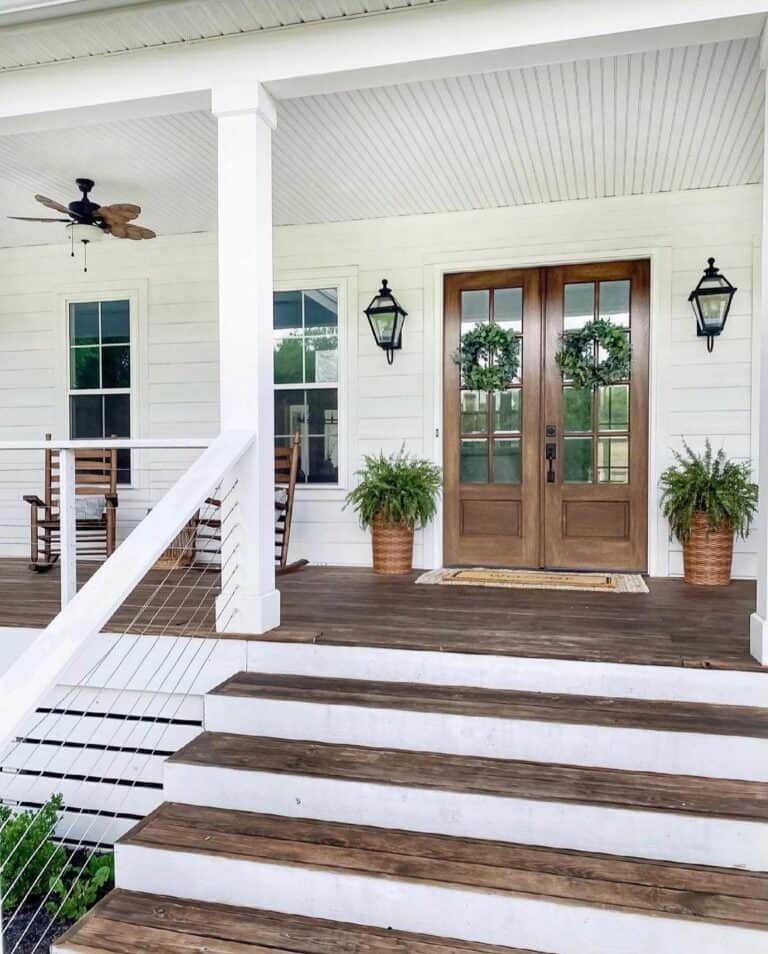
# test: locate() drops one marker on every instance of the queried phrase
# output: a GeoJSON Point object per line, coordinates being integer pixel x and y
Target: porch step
{"type": "Point", "coordinates": [475, 890]}
{"type": "Point", "coordinates": [128, 922]}
{"type": "Point", "coordinates": [721, 741]}
{"type": "Point", "coordinates": [674, 817]}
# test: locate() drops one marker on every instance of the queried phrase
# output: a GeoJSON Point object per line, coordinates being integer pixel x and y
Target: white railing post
{"type": "Point", "coordinates": [249, 601]}
{"type": "Point", "coordinates": [758, 633]}
{"type": "Point", "coordinates": [67, 525]}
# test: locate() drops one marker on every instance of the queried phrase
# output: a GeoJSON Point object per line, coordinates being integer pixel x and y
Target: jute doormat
{"type": "Point", "coordinates": [538, 580]}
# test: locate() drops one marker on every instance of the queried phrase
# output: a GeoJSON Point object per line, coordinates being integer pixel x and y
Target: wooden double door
{"type": "Point", "coordinates": [546, 474]}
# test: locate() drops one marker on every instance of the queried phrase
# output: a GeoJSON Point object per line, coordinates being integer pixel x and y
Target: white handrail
{"type": "Point", "coordinates": [118, 443]}
{"type": "Point", "coordinates": [36, 671]}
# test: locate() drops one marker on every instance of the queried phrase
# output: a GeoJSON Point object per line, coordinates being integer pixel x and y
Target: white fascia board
{"type": "Point", "coordinates": [455, 38]}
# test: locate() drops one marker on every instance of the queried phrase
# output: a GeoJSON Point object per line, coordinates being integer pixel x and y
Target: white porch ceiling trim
{"type": "Point", "coordinates": [611, 126]}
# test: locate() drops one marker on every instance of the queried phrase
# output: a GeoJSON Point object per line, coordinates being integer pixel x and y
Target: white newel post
{"type": "Point", "coordinates": [246, 117]}
{"type": "Point", "coordinates": [758, 636]}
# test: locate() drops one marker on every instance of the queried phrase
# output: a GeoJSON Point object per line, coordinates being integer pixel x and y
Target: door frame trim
{"type": "Point", "coordinates": [660, 256]}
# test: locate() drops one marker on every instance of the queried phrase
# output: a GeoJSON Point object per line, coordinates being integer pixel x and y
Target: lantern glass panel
{"type": "Point", "coordinates": [384, 327]}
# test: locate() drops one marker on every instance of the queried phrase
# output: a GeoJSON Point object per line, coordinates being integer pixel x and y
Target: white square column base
{"type": "Point", "coordinates": [758, 638]}
{"type": "Point", "coordinates": [256, 613]}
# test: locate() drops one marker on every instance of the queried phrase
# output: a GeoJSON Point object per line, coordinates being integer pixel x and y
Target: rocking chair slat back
{"type": "Point", "coordinates": [287, 461]}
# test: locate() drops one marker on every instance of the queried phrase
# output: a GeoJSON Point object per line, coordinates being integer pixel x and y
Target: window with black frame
{"type": "Point", "coordinates": [100, 374]}
{"type": "Point", "coordinates": [306, 364]}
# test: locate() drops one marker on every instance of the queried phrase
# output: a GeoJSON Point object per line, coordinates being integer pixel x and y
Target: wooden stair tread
{"type": "Point", "coordinates": [480, 775]}
{"type": "Point", "coordinates": [503, 704]}
{"type": "Point", "coordinates": [135, 923]}
{"type": "Point", "coordinates": [565, 876]}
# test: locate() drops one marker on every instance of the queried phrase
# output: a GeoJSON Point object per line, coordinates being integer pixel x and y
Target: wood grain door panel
{"type": "Point", "coordinates": [490, 519]}
{"type": "Point", "coordinates": [595, 513]}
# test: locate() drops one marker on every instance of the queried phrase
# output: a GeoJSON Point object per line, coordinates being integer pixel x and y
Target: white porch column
{"type": "Point", "coordinates": [246, 117]}
{"type": "Point", "coordinates": [758, 634]}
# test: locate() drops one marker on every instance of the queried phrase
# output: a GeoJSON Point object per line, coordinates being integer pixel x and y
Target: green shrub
{"type": "Point", "coordinates": [711, 484]}
{"type": "Point", "coordinates": [79, 887]}
{"type": "Point", "coordinates": [401, 488]}
{"type": "Point", "coordinates": [28, 855]}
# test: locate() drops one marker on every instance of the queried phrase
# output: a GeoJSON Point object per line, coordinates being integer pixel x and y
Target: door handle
{"type": "Point", "coordinates": [550, 454]}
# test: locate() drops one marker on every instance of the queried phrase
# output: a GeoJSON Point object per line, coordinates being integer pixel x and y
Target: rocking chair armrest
{"type": "Point", "coordinates": [33, 500]}
{"type": "Point", "coordinates": [111, 500]}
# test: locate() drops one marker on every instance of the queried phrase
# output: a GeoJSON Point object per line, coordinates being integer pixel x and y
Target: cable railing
{"type": "Point", "coordinates": [92, 709]}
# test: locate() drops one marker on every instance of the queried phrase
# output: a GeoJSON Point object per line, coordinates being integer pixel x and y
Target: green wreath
{"type": "Point", "coordinates": [576, 357]}
{"type": "Point", "coordinates": [489, 358]}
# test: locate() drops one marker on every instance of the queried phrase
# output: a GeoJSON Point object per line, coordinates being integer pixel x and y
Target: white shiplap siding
{"type": "Point", "coordinates": [696, 395]}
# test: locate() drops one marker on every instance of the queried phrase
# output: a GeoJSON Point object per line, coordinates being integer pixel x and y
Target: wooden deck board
{"type": "Point", "coordinates": [667, 716]}
{"type": "Point", "coordinates": [480, 775]}
{"type": "Point", "coordinates": [661, 888]}
{"type": "Point", "coordinates": [128, 922]}
{"type": "Point", "coordinates": [674, 625]}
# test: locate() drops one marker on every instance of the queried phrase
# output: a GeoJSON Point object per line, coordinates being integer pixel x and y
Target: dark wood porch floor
{"type": "Point", "coordinates": [674, 625]}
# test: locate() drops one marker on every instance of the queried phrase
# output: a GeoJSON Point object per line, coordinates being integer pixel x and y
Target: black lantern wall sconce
{"type": "Point", "coordinates": [711, 301]}
{"type": "Point", "coordinates": [386, 317]}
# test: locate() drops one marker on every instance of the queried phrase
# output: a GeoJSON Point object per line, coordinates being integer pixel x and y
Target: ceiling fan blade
{"type": "Point", "coordinates": [120, 212]}
{"type": "Point", "coordinates": [27, 218]}
{"type": "Point", "coordinates": [126, 231]}
{"type": "Point", "coordinates": [52, 204]}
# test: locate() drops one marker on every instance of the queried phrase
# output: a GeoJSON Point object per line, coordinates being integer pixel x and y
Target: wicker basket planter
{"type": "Point", "coordinates": [182, 551]}
{"type": "Point", "coordinates": [392, 547]}
{"type": "Point", "coordinates": [707, 554]}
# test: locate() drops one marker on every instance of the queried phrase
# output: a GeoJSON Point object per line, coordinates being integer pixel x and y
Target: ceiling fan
{"type": "Point", "coordinates": [113, 220]}
{"type": "Point", "coordinates": [88, 221]}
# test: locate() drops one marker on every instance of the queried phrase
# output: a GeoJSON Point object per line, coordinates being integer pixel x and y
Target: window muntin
{"type": "Point", "coordinates": [306, 366]}
{"type": "Point", "coordinates": [99, 357]}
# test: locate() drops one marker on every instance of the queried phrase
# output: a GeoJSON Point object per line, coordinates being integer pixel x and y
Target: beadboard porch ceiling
{"type": "Point", "coordinates": [671, 119]}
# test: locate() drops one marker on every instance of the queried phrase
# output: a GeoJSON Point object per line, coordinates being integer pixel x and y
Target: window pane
{"type": "Point", "coordinates": [321, 308]}
{"type": "Point", "coordinates": [323, 410]}
{"type": "Point", "coordinates": [577, 460]}
{"type": "Point", "coordinates": [578, 305]}
{"type": "Point", "coordinates": [506, 461]}
{"type": "Point", "coordinates": [613, 407]}
{"type": "Point", "coordinates": [86, 417]}
{"type": "Point", "coordinates": [117, 415]}
{"type": "Point", "coordinates": [115, 322]}
{"type": "Point", "coordinates": [614, 302]}
{"type": "Point", "coordinates": [290, 412]}
{"type": "Point", "coordinates": [84, 323]}
{"type": "Point", "coordinates": [287, 310]}
{"type": "Point", "coordinates": [508, 308]}
{"type": "Point", "coordinates": [116, 366]}
{"type": "Point", "coordinates": [322, 458]}
{"type": "Point", "coordinates": [474, 306]}
{"type": "Point", "coordinates": [474, 412]}
{"type": "Point", "coordinates": [613, 460]}
{"type": "Point", "coordinates": [84, 368]}
{"type": "Point", "coordinates": [577, 409]}
{"type": "Point", "coordinates": [322, 359]}
{"type": "Point", "coordinates": [474, 461]}
{"type": "Point", "coordinates": [289, 359]}
{"type": "Point", "coordinates": [507, 410]}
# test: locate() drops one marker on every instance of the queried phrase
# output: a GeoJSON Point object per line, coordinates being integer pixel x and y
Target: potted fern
{"type": "Point", "coordinates": [707, 500]}
{"type": "Point", "coordinates": [395, 495]}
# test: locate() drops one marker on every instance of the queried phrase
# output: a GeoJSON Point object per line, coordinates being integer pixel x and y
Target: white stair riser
{"type": "Point", "coordinates": [512, 672]}
{"type": "Point", "coordinates": [690, 838]}
{"type": "Point", "coordinates": [644, 750]}
{"type": "Point", "coordinates": [472, 915]}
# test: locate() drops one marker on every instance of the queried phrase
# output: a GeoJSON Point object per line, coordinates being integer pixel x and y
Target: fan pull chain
{"type": "Point", "coordinates": [85, 255]}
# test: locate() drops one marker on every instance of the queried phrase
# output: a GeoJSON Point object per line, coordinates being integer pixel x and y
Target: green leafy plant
{"type": "Point", "coordinates": [400, 488]}
{"type": "Point", "coordinates": [577, 349]}
{"type": "Point", "coordinates": [489, 358]}
{"type": "Point", "coordinates": [28, 855]}
{"type": "Point", "coordinates": [75, 891]}
{"type": "Point", "coordinates": [711, 484]}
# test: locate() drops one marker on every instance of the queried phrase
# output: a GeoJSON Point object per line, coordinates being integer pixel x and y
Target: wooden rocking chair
{"type": "Point", "coordinates": [95, 476]}
{"type": "Point", "coordinates": [287, 461]}
{"type": "Point", "coordinates": [286, 471]}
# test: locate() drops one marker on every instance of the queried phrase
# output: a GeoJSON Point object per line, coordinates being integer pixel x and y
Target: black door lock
{"type": "Point", "coordinates": [550, 453]}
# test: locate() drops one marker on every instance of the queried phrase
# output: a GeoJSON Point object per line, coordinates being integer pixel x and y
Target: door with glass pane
{"type": "Point", "coordinates": [491, 441]}
{"type": "Point", "coordinates": [595, 500]}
